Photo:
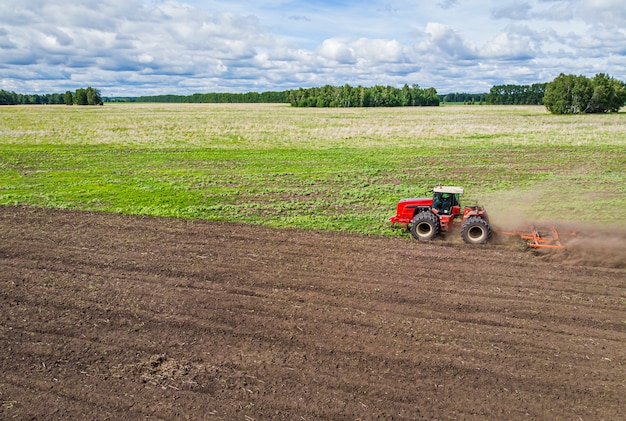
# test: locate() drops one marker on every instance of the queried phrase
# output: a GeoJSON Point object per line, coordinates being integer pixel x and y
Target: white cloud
{"type": "Point", "coordinates": [337, 50]}
{"type": "Point", "coordinates": [517, 43]}
{"type": "Point", "coordinates": [514, 11]}
{"type": "Point", "coordinates": [557, 11]}
{"type": "Point", "coordinates": [366, 51]}
{"type": "Point", "coordinates": [449, 43]}
{"type": "Point", "coordinates": [603, 12]}
{"type": "Point", "coordinates": [382, 51]}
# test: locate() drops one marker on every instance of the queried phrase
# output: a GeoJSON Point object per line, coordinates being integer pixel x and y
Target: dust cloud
{"type": "Point", "coordinates": [585, 244]}
{"type": "Point", "coordinates": [597, 247]}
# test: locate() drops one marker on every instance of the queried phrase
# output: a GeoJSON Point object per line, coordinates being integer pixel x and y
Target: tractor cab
{"type": "Point", "coordinates": [446, 200]}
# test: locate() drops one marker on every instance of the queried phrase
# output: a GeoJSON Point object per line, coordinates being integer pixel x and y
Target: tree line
{"type": "Point", "coordinates": [465, 98]}
{"type": "Point", "coordinates": [359, 96]}
{"type": "Point", "coordinates": [325, 96]}
{"type": "Point", "coordinates": [566, 94]}
{"type": "Point", "coordinates": [12, 98]}
{"type": "Point", "coordinates": [82, 96]}
{"type": "Point", "coordinates": [516, 94]}
{"type": "Point", "coordinates": [214, 98]}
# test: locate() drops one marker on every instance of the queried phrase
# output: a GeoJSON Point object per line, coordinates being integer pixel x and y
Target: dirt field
{"type": "Point", "coordinates": [115, 317]}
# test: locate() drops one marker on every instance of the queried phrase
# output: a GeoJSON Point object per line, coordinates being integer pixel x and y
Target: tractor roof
{"type": "Point", "coordinates": [448, 189]}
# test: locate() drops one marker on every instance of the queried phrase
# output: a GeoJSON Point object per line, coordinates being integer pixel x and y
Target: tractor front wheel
{"type": "Point", "coordinates": [425, 226]}
{"type": "Point", "coordinates": [475, 230]}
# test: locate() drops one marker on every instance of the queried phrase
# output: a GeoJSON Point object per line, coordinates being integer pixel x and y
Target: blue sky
{"type": "Point", "coordinates": [148, 47]}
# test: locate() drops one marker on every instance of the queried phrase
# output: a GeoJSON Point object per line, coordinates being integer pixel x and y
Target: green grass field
{"type": "Point", "coordinates": [337, 169]}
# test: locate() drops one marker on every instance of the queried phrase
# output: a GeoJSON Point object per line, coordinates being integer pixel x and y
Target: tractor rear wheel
{"type": "Point", "coordinates": [475, 230]}
{"type": "Point", "coordinates": [425, 226]}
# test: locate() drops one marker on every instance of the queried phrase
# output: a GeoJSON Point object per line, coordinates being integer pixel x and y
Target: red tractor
{"type": "Point", "coordinates": [430, 216]}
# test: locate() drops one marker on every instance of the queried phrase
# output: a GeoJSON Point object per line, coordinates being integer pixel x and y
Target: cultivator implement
{"type": "Point", "coordinates": [547, 238]}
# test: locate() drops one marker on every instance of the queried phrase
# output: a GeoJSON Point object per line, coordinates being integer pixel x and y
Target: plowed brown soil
{"type": "Point", "coordinates": [116, 317]}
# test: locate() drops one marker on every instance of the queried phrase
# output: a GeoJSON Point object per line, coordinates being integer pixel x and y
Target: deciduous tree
{"type": "Point", "coordinates": [570, 94]}
{"type": "Point", "coordinates": [68, 98]}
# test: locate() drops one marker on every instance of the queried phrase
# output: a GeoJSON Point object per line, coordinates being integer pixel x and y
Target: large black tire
{"type": "Point", "coordinates": [425, 226]}
{"type": "Point", "coordinates": [475, 230]}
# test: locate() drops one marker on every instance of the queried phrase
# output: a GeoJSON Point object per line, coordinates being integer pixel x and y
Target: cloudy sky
{"type": "Point", "coordinates": [146, 47]}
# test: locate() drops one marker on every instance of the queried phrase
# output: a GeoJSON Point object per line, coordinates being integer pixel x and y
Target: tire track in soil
{"type": "Point", "coordinates": [138, 317]}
